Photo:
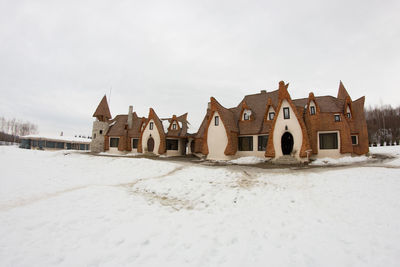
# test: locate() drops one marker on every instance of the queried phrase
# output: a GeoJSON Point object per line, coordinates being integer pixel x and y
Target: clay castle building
{"type": "Point", "coordinates": [270, 125]}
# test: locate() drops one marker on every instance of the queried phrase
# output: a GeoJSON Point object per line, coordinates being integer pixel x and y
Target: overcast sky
{"type": "Point", "coordinates": [58, 58]}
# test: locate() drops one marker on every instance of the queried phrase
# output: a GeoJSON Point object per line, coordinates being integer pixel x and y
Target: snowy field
{"type": "Point", "coordinates": [71, 209]}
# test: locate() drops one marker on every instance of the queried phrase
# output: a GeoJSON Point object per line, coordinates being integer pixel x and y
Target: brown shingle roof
{"type": "Point", "coordinates": [326, 103]}
{"type": "Point", "coordinates": [102, 111]}
{"type": "Point", "coordinates": [180, 131]}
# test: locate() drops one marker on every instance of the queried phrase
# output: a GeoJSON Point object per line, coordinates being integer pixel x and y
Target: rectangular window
{"type": "Point", "coordinates": [94, 136]}
{"type": "Point", "coordinates": [172, 144]}
{"type": "Point", "coordinates": [286, 114]}
{"type": "Point", "coordinates": [216, 120]}
{"type": "Point", "coordinates": [348, 115]}
{"type": "Point", "coordinates": [328, 141]}
{"type": "Point", "coordinates": [337, 117]}
{"type": "Point", "coordinates": [354, 140]}
{"type": "Point", "coordinates": [114, 142]}
{"type": "Point", "coordinates": [101, 131]}
{"type": "Point", "coordinates": [151, 125]}
{"type": "Point", "coordinates": [262, 142]}
{"type": "Point", "coordinates": [41, 143]}
{"type": "Point", "coordinates": [50, 144]}
{"type": "Point", "coordinates": [60, 145]}
{"type": "Point", "coordinates": [271, 115]}
{"type": "Point", "coordinates": [312, 110]}
{"type": "Point", "coordinates": [34, 143]}
{"type": "Point", "coordinates": [135, 143]}
{"type": "Point", "coordinates": [174, 126]}
{"type": "Point", "coordinates": [246, 116]}
{"type": "Point", "coordinates": [245, 143]}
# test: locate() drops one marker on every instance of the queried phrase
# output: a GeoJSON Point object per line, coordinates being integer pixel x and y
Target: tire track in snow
{"type": "Point", "coordinates": [31, 200]}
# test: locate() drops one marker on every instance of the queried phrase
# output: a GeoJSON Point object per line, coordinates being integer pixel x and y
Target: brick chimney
{"type": "Point", "coordinates": [130, 117]}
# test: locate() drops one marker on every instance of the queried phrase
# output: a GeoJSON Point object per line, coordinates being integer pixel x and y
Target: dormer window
{"type": "Point", "coordinates": [271, 116]}
{"type": "Point", "coordinates": [312, 110]}
{"type": "Point", "coordinates": [348, 112]}
{"type": "Point", "coordinates": [246, 115]}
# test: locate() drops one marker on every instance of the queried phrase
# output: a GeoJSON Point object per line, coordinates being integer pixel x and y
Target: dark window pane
{"type": "Point", "coordinates": [172, 144]}
{"type": "Point", "coordinates": [262, 142]}
{"type": "Point", "coordinates": [216, 122]}
{"type": "Point", "coordinates": [60, 145]}
{"type": "Point", "coordinates": [312, 110]}
{"type": "Point", "coordinates": [354, 139]}
{"type": "Point", "coordinates": [135, 143]}
{"type": "Point", "coordinates": [328, 141]}
{"type": "Point", "coordinates": [50, 144]}
{"type": "Point", "coordinates": [245, 143]}
{"type": "Point", "coordinates": [114, 142]}
{"type": "Point", "coordinates": [286, 114]}
{"type": "Point", "coordinates": [271, 115]}
{"type": "Point", "coordinates": [151, 126]}
{"type": "Point", "coordinates": [337, 117]}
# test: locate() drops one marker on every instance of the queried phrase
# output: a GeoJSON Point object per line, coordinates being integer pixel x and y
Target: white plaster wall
{"type": "Point", "coordinates": [294, 128]}
{"type": "Point", "coordinates": [217, 140]}
{"type": "Point", "coordinates": [146, 135]}
{"type": "Point", "coordinates": [329, 153]}
{"type": "Point", "coordinates": [114, 150]}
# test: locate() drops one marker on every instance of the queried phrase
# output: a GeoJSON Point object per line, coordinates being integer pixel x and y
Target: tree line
{"type": "Point", "coordinates": [383, 124]}
{"type": "Point", "coordinates": [11, 129]}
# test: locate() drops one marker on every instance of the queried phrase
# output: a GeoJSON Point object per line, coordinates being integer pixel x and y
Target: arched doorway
{"type": "Point", "coordinates": [287, 143]}
{"type": "Point", "coordinates": [150, 144]}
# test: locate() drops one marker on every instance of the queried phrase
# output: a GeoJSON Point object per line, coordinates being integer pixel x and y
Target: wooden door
{"type": "Point", "coordinates": [150, 144]}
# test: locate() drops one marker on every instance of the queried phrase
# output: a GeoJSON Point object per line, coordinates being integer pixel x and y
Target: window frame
{"type": "Point", "coordinates": [174, 126]}
{"type": "Point", "coordinates": [170, 144]}
{"type": "Point", "coordinates": [269, 116]}
{"type": "Point", "coordinates": [133, 143]}
{"type": "Point", "coordinates": [320, 141]}
{"type": "Point", "coordinates": [312, 110]}
{"type": "Point", "coordinates": [115, 138]}
{"type": "Point", "coordinates": [246, 116]}
{"type": "Point", "coordinates": [284, 113]}
{"type": "Point", "coordinates": [356, 136]}
{"type": "Point", "coordinates": [260, 146]}
{"type": "Point", "coordinates": [216, 120]}
{"type": "Point", "coordinates": [240, 143]}
{"type": "Point", "coordinates": [151, 125]}
{"type": "Point", "coordinates": [336, 116]}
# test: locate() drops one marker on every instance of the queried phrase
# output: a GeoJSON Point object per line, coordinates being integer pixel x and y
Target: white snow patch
{"type": "Point", "coordinates": [339, 161]}
{"type": "Point", "coordinates": [247, 160]}
{"type": "Point", "coordinates": [59, 209]}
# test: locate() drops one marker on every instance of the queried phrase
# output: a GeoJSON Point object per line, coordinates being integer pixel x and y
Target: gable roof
{"type": "Point", "coordinates": [182, 128]}
{"type": "Point", "coordinates": [102, 112]}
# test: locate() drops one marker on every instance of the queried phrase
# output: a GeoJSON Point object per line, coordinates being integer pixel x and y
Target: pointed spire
{"type": "Point", "coordinates": [342, 92]}
{"type": "Point", "coordinates": [102, 112]}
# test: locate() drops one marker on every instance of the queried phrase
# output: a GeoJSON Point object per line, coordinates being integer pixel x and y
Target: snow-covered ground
{"type": "Point", "coordinates": [72, 209]}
